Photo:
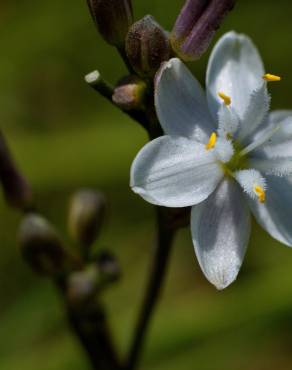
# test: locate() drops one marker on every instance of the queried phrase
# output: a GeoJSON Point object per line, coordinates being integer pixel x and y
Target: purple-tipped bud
{"type": "Point", "coordinates": [113, 19]}
{"type": "Point", "coordinates": [86, 216]}
{"type": "Point", "coordinates": [41, 246]}
{"type": "Point", "coordinates": [129, 93]}
{"type": "Point", "coordinates": [196, 26]}
{"type": "Point", "coordinates": [147, 46]}
{"type": "Point", "coordinates": [16, 189]}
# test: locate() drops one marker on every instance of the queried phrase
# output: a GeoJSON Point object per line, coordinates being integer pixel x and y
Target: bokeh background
{"type": "Point", "coordinates": [64, 136]}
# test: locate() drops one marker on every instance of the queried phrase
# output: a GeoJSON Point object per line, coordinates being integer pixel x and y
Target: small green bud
{"type": "Point", "coordinates": [113, 19]}
{"type": "Point", "coordinates": [147, 46]}
{"type": "Point", "coordinates": [86, 216]}
{"type": "Point", "coordinates": [129, 93]}
{"type": "Point", "coordinates": [41, 246]}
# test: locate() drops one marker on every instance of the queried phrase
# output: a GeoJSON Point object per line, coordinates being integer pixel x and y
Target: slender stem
{"type": "Point", "coordinates": [165, 236]}
{"type": "Point", "coordinates": [88, 322]}
{"type": "Point", "coordinates": [95, 80]}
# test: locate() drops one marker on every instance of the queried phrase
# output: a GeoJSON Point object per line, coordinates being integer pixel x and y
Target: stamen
{"type": "Point", "coordinates": [253, 183]}
{"type": "Point", "coordinates": [212, 141]}
{"type": "Point", "coordinates": [225, 98]}
{"type": "Point", "coordinates": [261, 194]}
{"type": "Point", "coordinates": [271, 78]}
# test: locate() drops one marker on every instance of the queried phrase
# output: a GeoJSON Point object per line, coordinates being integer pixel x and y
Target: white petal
{"type": "Point", "coordinates": [278, 116]}
{"type": "Point", "coordinates": [223, 150]}
{"type": "Point", "coordinates": [220, 231]}
{"type": "Point", "coordinates": [175, 172]}
{"type": "Point", "coordinates": [275, 215]}
{"type": "Point", "coordinates": [260, 139]}
{"type": "Point", "coordinates": [280, 150]}
{"type": "Point", "coordinates": [284, 132]}
{"type": "Point", "coordinates": [228, 121]}
{"type": "Point", "coordinates": [181, 102]}
{"type": "Point", "coordinates": [255, 113]}
{"type": "Point", "coordinates": [236, 69]}
{"type": "Point", "coordinates": [281, 119]}
{"type": "Point", "coordinates": [273, 166]}
{"type": "Point", "coordinates": [249, 180]}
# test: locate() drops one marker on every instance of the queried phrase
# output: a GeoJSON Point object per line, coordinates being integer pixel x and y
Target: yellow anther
{"type": "Point", "coordinates": [260, 192]}
{"type": "Point", "coordinates": [212, 141]}
{"type": "Point", "coordinates": [225, 98]}
{"type": "Point", "coordinates": [271, 78]}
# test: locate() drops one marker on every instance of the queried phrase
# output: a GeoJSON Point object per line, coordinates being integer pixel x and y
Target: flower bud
{"type": "Point", "coordinates": [113, 19]}
{"type": "Point", "coordinates": [147, 46]}
{"type": "Point", "coordinates": [41, 246]}
{"type": "Point", "coordinates": [129, 93]}
{"type": "Point", "coordinates": [109, 267]}
{"type": "Point", "coordinates": [196, 26]}
{"type": "Point", "coordinates": [86, 216]}
{"type": "Point", "coordinates": [83, 285]}
{"type": "Point", "coordinates": [15, 187]}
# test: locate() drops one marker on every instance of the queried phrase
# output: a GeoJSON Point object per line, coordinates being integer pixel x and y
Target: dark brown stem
{"type": "Point", "coordinates": [165, 237]}
{"type": "Point", "coordinates": [95, 80]}
{"type": "Point", "coordinates": [88, 321]}
{"type": "Point", "coordinates": [16, 189]}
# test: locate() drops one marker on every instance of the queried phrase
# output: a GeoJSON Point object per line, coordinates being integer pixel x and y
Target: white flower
{"type": "Point", "coordinates": [223, 154]}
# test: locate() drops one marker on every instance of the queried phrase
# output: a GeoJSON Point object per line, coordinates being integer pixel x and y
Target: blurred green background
{"type": "Point", "coordinates": [64, 136]}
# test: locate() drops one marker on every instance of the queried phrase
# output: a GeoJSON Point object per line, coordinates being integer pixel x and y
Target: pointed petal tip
{"type": "Point", "coordinates": [222, 278]}
{"type": "Point", "coordinates": [222, 284]}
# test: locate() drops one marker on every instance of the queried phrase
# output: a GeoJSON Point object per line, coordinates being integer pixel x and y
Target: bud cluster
{"type": "Point", "coordinates": [82, 276]}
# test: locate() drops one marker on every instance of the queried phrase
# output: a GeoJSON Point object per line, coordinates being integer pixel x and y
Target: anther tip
{"type": "Point", "coordinates": [226, 99]}
{"type": "Point", "coordinates": [271, 78]}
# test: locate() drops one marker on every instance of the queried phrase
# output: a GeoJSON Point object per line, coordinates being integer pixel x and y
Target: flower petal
{"type": "Point", "coordinates": [277, 116]}
{"type": "Point", "coordinates": [220, 231]}
{"type": "Point", "coordinates": [181, 102]}
{"type": "Point", "coordinates": [236, 69]}
{"type": "Point", "coordinates": [175, 172]}
{"type": "Point", "coordinates": [273, 166]}
{"type": "Point", "coordinates": [275, 215]}
{"type": "Point", "coordinates": [277, 150]}
{"type": "Point", "coordinates": [255, 113]}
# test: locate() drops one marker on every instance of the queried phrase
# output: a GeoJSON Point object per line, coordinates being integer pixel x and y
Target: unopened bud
{"type": "Point", "coordinates": [16, 189]}
{"type": "Point", "coordinates": [41, 246]}
{"type": "Point", "coordinates": [109, 267]}
{"type": "Point", "coordinates": [196, 26]}
{"type": "Point", "coordinates": [83, 285]}
{"type": "Point", "coordinates": [147, 46]}
{"type": "Point", "coordinates": [86, 216]}
{"type": "Point", "coordinates": [129, 93]}
{"type": "Point", "coordinates": [113, 19]}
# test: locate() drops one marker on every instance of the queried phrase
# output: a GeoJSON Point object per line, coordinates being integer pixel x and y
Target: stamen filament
{"type": "Point", "coordinates": [225, 98]}
{"type": "Point", "coordinates": [271, 78]}
{"type": "Point", "coordinates": [212, 141]}
{"type": "Point", "coordinates": [261, 194]}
